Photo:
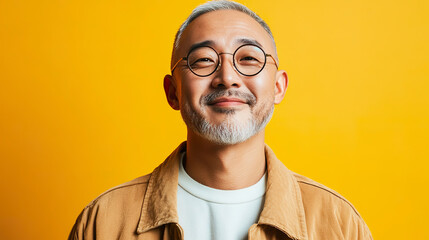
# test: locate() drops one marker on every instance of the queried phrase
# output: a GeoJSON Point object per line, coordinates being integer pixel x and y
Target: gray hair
{"type": "Point", "coordinates": [215, 6]}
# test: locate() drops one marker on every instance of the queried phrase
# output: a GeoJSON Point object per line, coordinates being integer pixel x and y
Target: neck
{"type": "Point", "coordinates": [226, 167]}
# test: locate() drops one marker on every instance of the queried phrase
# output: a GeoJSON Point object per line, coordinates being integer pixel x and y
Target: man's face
{"type": "Point", "coordinates": [226, 107]}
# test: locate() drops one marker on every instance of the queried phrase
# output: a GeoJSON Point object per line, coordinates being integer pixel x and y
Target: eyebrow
{"type": "Point", "coordinates": [201, 44]}
{"type": "Point", "coordinates": [249, 41]}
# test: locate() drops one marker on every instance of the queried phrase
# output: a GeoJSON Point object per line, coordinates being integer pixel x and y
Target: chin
{"type": "Point", "coordinates": [229, 131]}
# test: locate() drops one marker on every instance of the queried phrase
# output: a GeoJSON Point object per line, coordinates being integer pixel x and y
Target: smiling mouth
{"type": "Point", "coordinates": [227, 102]}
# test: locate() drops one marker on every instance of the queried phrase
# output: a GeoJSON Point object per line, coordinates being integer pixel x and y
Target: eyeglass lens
{"type": "Point", "coordinates": [248, 60]}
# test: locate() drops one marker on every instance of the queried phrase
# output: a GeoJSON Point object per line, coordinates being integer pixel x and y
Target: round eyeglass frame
{"type": "Point", "coordinates": [218, 62]}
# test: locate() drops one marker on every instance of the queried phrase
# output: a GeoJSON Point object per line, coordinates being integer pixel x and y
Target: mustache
{"type": "Point", "coordinates": [249, 98]}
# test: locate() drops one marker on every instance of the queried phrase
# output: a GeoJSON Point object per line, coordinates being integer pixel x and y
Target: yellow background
{"type": "Point", "coordinates": [82, 107]}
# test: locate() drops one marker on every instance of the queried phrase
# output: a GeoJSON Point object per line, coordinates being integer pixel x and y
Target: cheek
{"type": "Point", "coordinates": [192, 90]}
{"type": "Point", "coordinates": [263, 86]}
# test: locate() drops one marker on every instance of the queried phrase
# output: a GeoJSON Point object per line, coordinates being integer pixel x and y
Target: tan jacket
{"type": "Point", "coordinates": [145, 208]}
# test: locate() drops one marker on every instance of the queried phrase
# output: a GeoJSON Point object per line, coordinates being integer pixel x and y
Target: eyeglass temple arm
{"type": "Point", "coordinates": [275, 62]}
{"type": "Point", "coordinates": [177, 63]}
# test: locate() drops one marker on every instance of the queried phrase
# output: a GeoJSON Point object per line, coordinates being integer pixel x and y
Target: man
{"type": "Point", "coordinates": [223, 182]}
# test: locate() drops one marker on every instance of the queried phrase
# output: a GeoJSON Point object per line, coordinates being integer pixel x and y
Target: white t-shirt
{"type": "Point", "coordinates": [208, 213]}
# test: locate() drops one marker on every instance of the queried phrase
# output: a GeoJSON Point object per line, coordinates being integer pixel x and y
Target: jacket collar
{"type": "Point", "coordinates": [160, 201]}
{"type": "Point", "coordinates": [283, 208]}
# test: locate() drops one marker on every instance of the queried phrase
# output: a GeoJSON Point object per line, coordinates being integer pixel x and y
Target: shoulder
{"type": "Point", "coordinates": [123, 192]}
{"type": "Point", "coordinates": [314, 191]}
{"type": "Point", "coordinates": [322, 204]}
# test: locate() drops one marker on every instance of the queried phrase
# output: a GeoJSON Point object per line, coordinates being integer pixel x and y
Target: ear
{"type": "Point", "coordinates": [170, 90]}
{"type": "Point", "coordinates": [280, 86]}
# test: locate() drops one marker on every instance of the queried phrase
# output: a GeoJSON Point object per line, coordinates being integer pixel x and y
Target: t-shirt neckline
{"type": "Point", "coordinates": [206, 193]}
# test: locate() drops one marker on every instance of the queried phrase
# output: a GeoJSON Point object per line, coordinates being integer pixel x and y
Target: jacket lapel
{"type": "Point", "coordinates": [160, 201]}
{"type": "Point", "coordinates": [283, 208]}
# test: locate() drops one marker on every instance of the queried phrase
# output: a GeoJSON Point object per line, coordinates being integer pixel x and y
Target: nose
{"type": "Point", "coordinates": [226, 76]}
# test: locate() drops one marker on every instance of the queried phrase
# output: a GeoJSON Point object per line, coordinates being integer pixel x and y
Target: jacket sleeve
{"type": "Point", "coordinates": [366, 234]}
{"type": "Point", "coordinates": [83, 228]}
{"type": "Point", "coordinates": [77, 228]}
{"type": "Point", "coordinates": [355, 228]}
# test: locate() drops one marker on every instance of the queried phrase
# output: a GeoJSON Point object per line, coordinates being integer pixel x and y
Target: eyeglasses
{"type": "Point", "coordinates": [248, 60]}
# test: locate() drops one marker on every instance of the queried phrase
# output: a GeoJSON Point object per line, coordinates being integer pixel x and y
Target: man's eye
{"type": "Point", "coordinates": [202, 62]}
{"type": "Point", "coordinates": [249, 59]}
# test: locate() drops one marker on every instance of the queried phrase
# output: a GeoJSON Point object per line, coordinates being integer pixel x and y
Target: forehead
{"type": "Point", "coordinates": [225, 30]}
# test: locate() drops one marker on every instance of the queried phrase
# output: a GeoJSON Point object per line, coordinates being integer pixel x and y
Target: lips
{"type": "Point", "coordinates": [228, 98]}
{"type": "Point", "coordinates": [227, 101]}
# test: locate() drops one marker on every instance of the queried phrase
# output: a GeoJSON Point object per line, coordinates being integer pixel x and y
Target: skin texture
{"type": "Point", "coordinates": [225, 166]}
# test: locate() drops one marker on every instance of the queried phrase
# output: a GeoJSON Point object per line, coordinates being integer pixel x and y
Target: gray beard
{"type": "Point", "coordinates": [228, 132]}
